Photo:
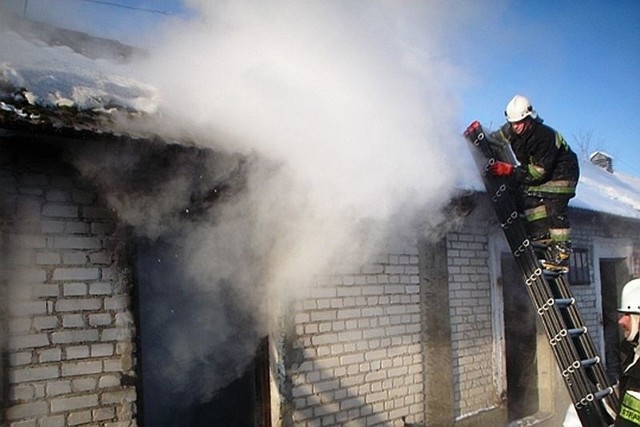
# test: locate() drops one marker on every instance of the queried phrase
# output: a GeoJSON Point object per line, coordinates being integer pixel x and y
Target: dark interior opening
{"type": "Point", "coordinates": [161, 305]}
{"type": "Point", "coordinates": [520, 342]}
{"type": "Point", "coordinates": [613, 275]}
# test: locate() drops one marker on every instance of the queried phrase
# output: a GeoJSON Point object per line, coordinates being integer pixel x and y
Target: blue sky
{"type": "Point", "coordinates": [129, 21]}
{"type": "Point", "coordinates": [577, 61]}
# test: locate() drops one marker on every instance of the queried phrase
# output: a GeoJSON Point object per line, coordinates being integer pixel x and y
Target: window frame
{"type": "Point", "coordinates": [579, 267]}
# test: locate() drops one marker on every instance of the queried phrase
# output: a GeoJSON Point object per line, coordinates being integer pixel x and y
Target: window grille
{"type": "Point", "coordinates": [579, 267]}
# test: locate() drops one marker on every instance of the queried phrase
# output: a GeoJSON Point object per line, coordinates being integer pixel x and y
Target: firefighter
{"type": "Point", "coordinates": [629, 382]}
{"type": "Point", "coordinates": [546, 177]}
{"type": "Point", "coordinates": [628, 386]}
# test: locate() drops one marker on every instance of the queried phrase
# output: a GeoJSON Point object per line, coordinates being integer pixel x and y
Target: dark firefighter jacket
{"type": "Point", "coordinates": [548, 166]}
{"type": "Point", "coordinates": [629, 412]}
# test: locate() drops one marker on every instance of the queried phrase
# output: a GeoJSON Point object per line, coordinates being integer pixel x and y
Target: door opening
{"type": "Point", "coordinates": [520, 343]}
{"type": "Point", "coordinates": [613, 275]}
{"type": "Point", "coordinates": [173, 328]}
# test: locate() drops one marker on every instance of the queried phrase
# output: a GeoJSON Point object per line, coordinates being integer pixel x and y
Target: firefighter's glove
{"type": "Point", "coordinates": [501, 169]}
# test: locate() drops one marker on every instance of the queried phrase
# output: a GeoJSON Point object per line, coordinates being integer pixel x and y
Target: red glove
{"type": "Point", "coordinates": [501, 169]}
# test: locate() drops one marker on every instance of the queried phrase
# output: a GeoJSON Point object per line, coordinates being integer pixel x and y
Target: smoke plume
{"type": "Point", "coordinates": [352, 101]}
{"type": "Point", "coordinates": [349, 109]}
{"type": "Point", "coordinates": [325, 128]}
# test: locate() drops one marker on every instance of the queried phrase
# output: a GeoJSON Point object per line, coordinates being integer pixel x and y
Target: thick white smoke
{"type": "Point", "coordinates": [347, 113]}
{"type": "Point", "coordinates": [350, 105]}
{"type": "Point", "coordinates": [352, 99]}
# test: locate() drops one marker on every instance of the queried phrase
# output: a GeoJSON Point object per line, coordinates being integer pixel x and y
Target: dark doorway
{"type": "Point", "coordinates": [175, 394]}
{"type": "Point", "coordinates": [613, 275]}
{"type": "Point", "coordinates": [520, 342]}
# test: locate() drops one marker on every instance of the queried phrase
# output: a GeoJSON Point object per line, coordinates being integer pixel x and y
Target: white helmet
{"type": "Point", "coordinates": [630, 298]}
{"type": "Point", "coordinates": [630, 303]}
{"type": "Point", "coordinates": [518, 109]}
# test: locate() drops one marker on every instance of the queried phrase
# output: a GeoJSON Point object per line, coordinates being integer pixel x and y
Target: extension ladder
{"type": "Point", "coordinates": [579, 363]}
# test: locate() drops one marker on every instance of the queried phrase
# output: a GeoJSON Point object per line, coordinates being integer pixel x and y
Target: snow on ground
{"type": "Point", "coordinates": [56, 76]}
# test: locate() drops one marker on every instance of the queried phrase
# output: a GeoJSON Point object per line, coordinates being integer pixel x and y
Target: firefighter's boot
{"type": "Point", "coordinates": [559, 257]}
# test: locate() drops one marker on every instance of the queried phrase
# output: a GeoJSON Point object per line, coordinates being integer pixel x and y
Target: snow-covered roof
{"type": "Point", "coordinates": [600, 154]}
{"type": "Point", "coordinates": [55, 87]}
{"type": "Point", "coordinates": [614, 193]}
{"type": "Point", "coordinates": [57, 76]}
{"type": "Point", "coordinates": [36, 77]}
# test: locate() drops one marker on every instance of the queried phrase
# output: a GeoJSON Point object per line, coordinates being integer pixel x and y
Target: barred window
{"type": "Point", "coordinates": [579, 267]}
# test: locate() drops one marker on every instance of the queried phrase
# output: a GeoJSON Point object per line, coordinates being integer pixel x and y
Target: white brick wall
{"type": "Point", "coordinates": [70, 327]}
{"type": "Point", "coordinates": [471, 310]}
{"type": "Point", "coordinates": [584, 232]}
{"type": "Point", "coordinates": [471, 319]}
{"type": "Point", "coordinates": [360, 337]}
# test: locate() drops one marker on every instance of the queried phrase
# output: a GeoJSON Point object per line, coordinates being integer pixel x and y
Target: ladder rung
{"type": "Point", "coordinates": [552, 274]}
{"type": "Point", "coordinates": [560, 302]}
{"type": "Point", "coordinates": [538, 245]}
{"type": "Point", "coordinates": [564, 302]}
{"type": "Point", "coordinates": [586, 363]}
{"type": "Point", "coordinates": [601, 394]}
{"type": "Point", "coordinates": [576, 332]}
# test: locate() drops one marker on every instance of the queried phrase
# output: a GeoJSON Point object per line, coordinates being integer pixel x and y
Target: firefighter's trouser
{"type": "Point", "coordinates": [547, 217]}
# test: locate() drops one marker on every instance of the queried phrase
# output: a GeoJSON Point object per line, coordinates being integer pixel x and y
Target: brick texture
{"type": "Point", "coordinates": [471, 318]}
{"type": "Point", "coordinates": [360, 336]}
{"type": "Point", "coordinates": [471, 305]}
{"type": "Point", "coordinates": [62, 364]}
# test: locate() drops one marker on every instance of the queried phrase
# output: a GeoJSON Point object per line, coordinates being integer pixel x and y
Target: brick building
{"type": "Point", "coordinates": [429, 331]}
{"type": "Point", "coordinates": [443, 333]}
{"type": "Point", "coordinates": [422, 333]}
